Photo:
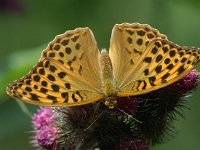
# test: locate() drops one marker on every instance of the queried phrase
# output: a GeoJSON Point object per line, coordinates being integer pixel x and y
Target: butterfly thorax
{"type": "Point", "coordinates": [109, 88]}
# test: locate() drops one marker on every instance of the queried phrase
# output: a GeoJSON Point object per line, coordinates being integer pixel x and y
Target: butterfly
{"type": "Point", "coordinates": [72, 71]}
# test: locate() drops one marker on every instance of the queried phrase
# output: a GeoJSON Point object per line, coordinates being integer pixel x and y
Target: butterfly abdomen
{"type": "Point", "coordinates": [109, 88]}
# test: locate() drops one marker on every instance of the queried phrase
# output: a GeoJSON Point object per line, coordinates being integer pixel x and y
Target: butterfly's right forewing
{"type": "Point", "coordinates": [144, 60]}
{"type": "Point", "coordinates": [127, 45]}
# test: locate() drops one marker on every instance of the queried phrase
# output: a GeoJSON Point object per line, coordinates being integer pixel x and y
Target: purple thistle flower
{"type": "Point", "coordinates": [127, 104]}
{"type": "Point", "coordinates": [188, 83]}
{"type": "Point", "coordinates": [46, 137]}
{"type": "Point", "coordinates": [43, 117]}
{"type": "Point", "coordinates": [45, 132]}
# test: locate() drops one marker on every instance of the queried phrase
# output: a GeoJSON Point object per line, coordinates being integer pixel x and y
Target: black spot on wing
{"type": "Point", "coordinates": [67, 85]}
{"type": "Point", "coordinates": [53, 98]}
{"type": "Point", "coordinates": [78, 93]}
{"type": "Point", "coordinates": [57, 47]}
{"type": "Point", "coordinates": [35, 87]}
{"type": "Point", "coordinates": [64, 95]}
{"type": "Point", "coordinates": [74, 58]}
{"type": "Point", "coordinates": [28, 82]}
{"type": "Point", "coordinates": [51, 78]}
{"type": "Point", "coordinates": [164, 77]}
{"type": "Point", "coordinates": [68, 50]}
{"type": "Point", "coordinates": [181, 69]}
{"type": "Point", "coordinates": [52, 68]}
{"type": "Point", "coordinates": [62, 74]}
{"type": "Point", "coordinates": [146, 72]}
{"type": "Point", "coordinates": [139, 82]}
{"type": "Point", "coordinates": [150, 35]}
{"type": "Point", "coordinates": [159, 58]}
{"type": "Point", "coordinates": [80, 70]}
{"type": "Point", "coordinates": [44, 83]}
{"type": "Point", "coordinates": [77, 46]}
{"type": "Point", "coordinates": [147, 59]}
{"type": "Point", "coordinates": [75, 38]}
{"type": "Point", "coordinates": [152, 80]}
{"type": "Point", "coordinates": [61, 54]}
{"type": "Point", "coordinates": [130, 32]}
{"type": "Point", "coordinates": [69, 62]}
{"type": "Point", "coordinates": [158, 69]}
{"type": "Point", "coordinates": [129, 40]}
{"type": "Point", "coordinates": [36, 78]}
{"type": "Point", "coordinates": [170, 66]}
{"type": "Point", "coordinates": [55, 87]}
{"type": "Point", "coordinates": [145, 84]}
{"type": "Point", "coordinates": [139, 42]}
{"type": "Point", "coordinates": [141, 32]}
{"type": "Point", "coordinates": [167, 60]}
{"type": "Point", "coordinates": [43, 90]}
{"type": "Point", "coordinates": [183, 59]}
{"type": "Point", "coordinates": [41, 71]}
{"type": "Point", "coordinates": [154, 50]}
{"type": "Point", "coordinates": [65, 42]}
{"type": "Point", "coordinates": [165, 49]}
{"type": "Point", "coordinates": [34, 97]}
{"type": "Point", "coordinates": [74, 98]}
{"type": "Point", "coordinates": [172, 53]}
{"type": "Point", "coordinates": [28, 89]}
{"type": "Point", "coordinates": [52, 54]}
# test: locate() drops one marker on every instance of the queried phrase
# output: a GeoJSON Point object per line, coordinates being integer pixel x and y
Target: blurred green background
{"type": "Point", "coordinates": [27, 26]}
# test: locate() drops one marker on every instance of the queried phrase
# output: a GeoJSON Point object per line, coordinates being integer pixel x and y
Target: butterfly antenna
{"type": "Point", "coordinates": [129, 116]}
{"type": "Point", "coordinates": [96, 119]}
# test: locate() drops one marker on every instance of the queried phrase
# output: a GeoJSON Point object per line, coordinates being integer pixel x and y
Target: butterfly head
{"type": "Point", "coordinates": [111, 102]}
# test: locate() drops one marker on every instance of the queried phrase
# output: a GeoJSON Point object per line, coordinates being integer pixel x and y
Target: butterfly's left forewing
{"type": "Point", "coordinates": [67, 74]}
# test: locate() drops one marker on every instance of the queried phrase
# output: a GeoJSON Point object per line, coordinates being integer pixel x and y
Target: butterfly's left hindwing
{"type": "Point", "coordinates": [65, 75]}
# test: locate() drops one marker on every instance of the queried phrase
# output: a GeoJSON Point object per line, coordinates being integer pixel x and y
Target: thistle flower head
{"type": "Point", "coordinates": [128, 105]}
{"type": "Point", "coordinates": [95, 126]}
{"type": "Point", "coordinates": [45, 132]}
{"type": "Point", "coordinates": [188, 83]}
{"type": "Point", "coordinates": [158, 109]}
{"type": "Point", "coordinates": [46, 137]}
{"type": "Point", "coordinates": [43, 117]}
